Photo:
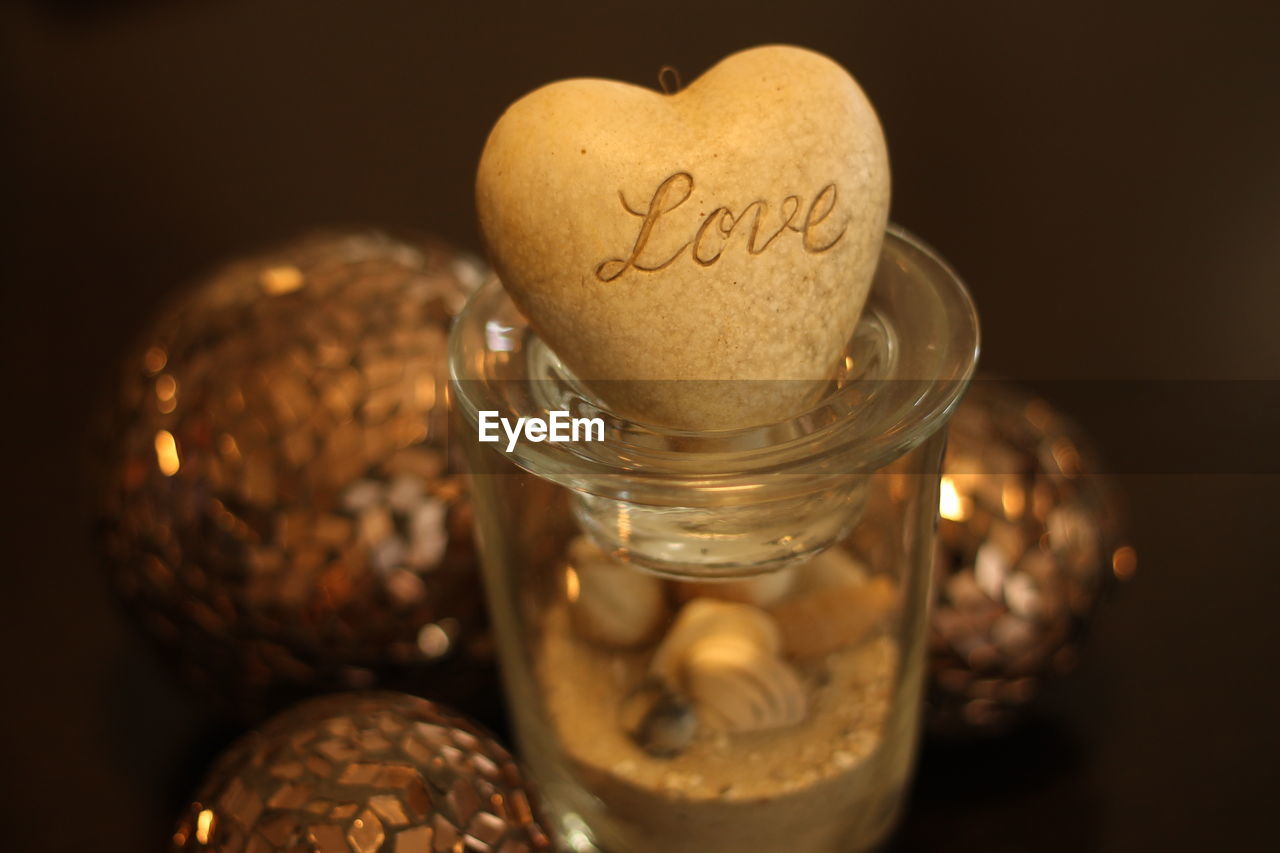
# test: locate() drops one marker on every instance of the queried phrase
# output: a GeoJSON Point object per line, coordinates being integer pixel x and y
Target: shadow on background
{"type": "Point", "coordinates": [1034, 772]}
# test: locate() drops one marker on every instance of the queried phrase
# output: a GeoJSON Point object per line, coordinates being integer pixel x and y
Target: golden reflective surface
{"type": "Point", "coordinates": [280, 507]}
{"type": "Point", "coordinates": [1027, 538]}
{"type": "Point", "coordinates": [363, 773]}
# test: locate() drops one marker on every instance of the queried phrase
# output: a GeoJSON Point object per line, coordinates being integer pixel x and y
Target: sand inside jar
{"type": "Point", "coordinates": [796, 788]}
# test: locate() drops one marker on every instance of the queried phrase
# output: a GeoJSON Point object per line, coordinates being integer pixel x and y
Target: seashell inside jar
{"type": "Point", "coordinates": [611, 603]}
{"type": "Point", "coordinates": [835, 604]}
{"type": "Point", "coordinates": [725, 657]}
{"type": "Point", "coordinates": [719, 695]}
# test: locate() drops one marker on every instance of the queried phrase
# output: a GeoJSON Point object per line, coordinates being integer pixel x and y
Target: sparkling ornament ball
{"type": "Point", "coordinates": [1028, 540]}
{"type": "Point", "coordinates": [280, 506]}
{"type": "Point", "coordinates": [363, 773]}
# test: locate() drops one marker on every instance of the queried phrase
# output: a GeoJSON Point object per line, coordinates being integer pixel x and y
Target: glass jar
{"type": "Point", "coordinates": [714, 641]}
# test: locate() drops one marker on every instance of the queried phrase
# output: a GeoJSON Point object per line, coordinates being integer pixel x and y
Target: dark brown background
{"type": "Point", "coordinates": [1106, 176]}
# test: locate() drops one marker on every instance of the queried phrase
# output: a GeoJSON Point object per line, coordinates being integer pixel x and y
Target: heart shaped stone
{"type": "Point", "coordinates": [675, 249]}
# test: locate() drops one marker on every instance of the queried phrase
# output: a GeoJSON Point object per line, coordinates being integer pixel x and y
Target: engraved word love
{"type": "Point", "coordinates": [714, 230]}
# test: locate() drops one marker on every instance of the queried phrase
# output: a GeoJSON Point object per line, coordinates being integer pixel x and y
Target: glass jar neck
{"type": "Point", "coordinates": [904, 369]}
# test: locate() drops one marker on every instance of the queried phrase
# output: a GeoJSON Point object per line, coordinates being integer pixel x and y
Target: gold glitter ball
{"type": "Point", "coordinates": [363, 772]}
{"type": "Point", "coordinates": [1028, 535]}
{"type": "Point", "coordinates": [280, 506]}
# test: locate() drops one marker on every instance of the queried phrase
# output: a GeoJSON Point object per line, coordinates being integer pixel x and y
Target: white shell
{"type": "Point", "coordinates": [705, 617]}
{"type": "Point", "coordinates": [834, 567]}
{"type": "Point", "coordinates": [611, 603]}
{"type": "Point", "coordinates": [724, 656]}
{"type": "Point", "coordinates": [761, 590]}
{"type": "Point", "coordinates": [834, 606]}
{"type": "Point", "coordinates": [737, 685]}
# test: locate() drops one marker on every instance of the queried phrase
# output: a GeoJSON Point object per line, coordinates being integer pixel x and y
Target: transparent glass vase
{"type": "Point", "coordinates": [714, 641]}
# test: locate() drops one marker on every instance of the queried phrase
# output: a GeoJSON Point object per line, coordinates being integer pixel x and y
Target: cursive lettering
{"type": "Point", "coordinates": [715, 228]}
{"type": "Point", "coordinates": [813, 218]}
{"type": "Point", "coordinates": [669, 195]}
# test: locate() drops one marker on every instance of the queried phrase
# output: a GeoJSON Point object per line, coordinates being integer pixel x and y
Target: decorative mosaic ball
{"type": "Point", "coordinates": [363, 772]}
{"type": "Point", "coordinates": [280, 505]}
{"type": "Point", "coordinates": [1028, 541]}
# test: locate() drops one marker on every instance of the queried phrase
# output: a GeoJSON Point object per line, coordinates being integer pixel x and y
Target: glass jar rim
{"type": "Point", "coordinates": [859, 427]}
